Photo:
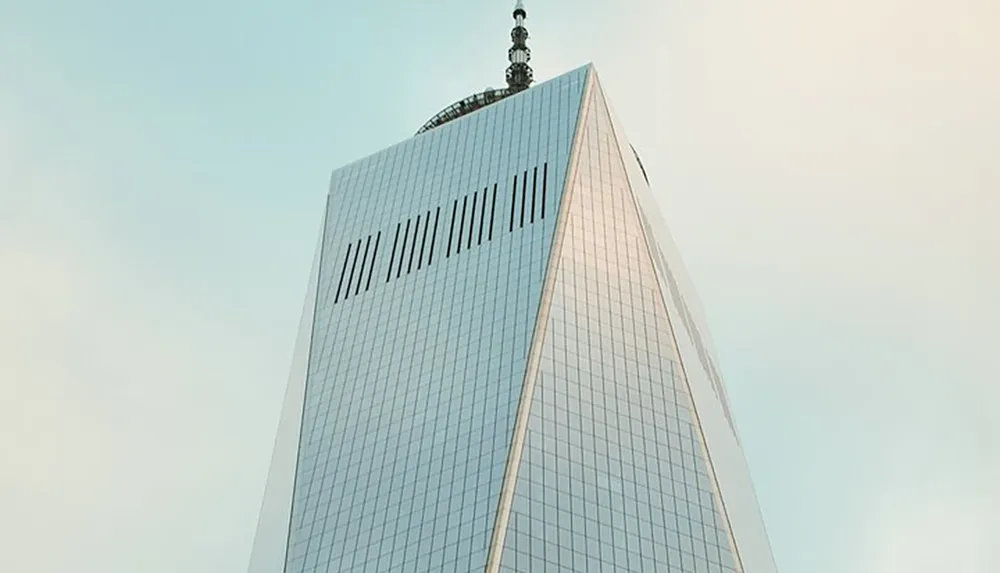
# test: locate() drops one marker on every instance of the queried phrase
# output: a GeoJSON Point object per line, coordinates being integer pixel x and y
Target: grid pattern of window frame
{"type": "Point", "coordinates": [411, 391]}
{"type": "Point", "coordinates": [613, 474]}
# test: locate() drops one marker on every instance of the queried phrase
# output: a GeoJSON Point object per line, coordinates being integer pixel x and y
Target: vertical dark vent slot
{"type": "Point", "coordinates": [343, 271]}
{"type": "Point", "coordinates": [430, 255]}
{"type": "Point", "coordinates": [454, 212]}
{"type": "Point", "coordinates": [493, 210]}
{"type": "Point", "coordinates": [402, 249]}
{"type": "Point", "coordinates": [524, 195]}
{"type": "Point", "coordinates": [392, 258]}
{"type": "Point", "coordinates": [545, 184]}
{"type": "Point", "coordinates": [423, 241]}
{"type": "Point", "coordinates": [413, 250]}
{"type": "Point", "coordinates": [534, 192]}
{"type": "Point", "coordinates": [482, 217]}
{"type": "Point", "coordinates": [472, 220]}
{"type": "Point", "coordinates": [364, 260]}
{"type": "Point", "coordinates": [461, 224]}
{"type": "Point", "coordinates": [513, 203]}
{"type": "Point", "coordinates": [371, 269]}
{"type": "Point", "coordinates": [354, 265]}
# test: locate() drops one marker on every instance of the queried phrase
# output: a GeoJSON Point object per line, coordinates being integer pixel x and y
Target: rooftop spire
{"type": "Point", "coordinates": [519, 75]}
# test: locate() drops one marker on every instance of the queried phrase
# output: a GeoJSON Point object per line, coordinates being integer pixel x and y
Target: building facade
{"type": "Point", "coordinates": [502, 366]}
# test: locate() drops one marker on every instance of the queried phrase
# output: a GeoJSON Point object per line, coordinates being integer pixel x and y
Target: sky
{"type": "Point", "coordinates": [830, 171]}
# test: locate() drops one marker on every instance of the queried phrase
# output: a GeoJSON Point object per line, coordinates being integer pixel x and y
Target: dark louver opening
{"type": "Point", "coordinates": [418, 235]}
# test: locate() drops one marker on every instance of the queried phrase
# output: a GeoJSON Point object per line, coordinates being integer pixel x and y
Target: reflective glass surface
{"type": "Point", "coordinates": [271, 536]}
{"type": "Point", "coordinates": [502, 332]}
{"type": "Point", "coordinates": [614, 475]}
{"type": "Point", "coordinates": [694, 347]}
{"type": "Point", "coordinates": [433, 259]}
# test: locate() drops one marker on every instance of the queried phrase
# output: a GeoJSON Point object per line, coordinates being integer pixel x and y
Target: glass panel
{"type": "Point", "coordinates": [613, 475]}
{"type": "Point", "coordinates": [414, 381]}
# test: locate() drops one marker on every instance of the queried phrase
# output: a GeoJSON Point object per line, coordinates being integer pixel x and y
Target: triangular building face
{"type": "Point", "coordinates": [613, 471]}
{"type": "Point", "coordinates": [506, 371]}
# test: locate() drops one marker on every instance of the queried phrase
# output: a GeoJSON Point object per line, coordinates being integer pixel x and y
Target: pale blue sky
{"type": "Point", "coordinates": [830, 171]}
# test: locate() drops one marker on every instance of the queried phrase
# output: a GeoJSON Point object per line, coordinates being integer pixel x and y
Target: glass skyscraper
{"type": "Point", "coordinates": [502, 366]}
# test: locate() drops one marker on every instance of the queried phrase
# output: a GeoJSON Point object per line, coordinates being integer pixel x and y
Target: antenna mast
{"type": "Point", "coordinates": [519, 77]}
{"type": "Point", "coordinates": [519, 74]}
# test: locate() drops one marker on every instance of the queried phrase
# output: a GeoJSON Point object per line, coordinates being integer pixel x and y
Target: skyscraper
{"type": "Point", "coordinates": [501, 365]}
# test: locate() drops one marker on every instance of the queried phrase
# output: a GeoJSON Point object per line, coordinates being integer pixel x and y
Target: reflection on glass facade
{"type": "Point", "coordinates": [613, 474]}
{"type": "Point", "coordinates": [503, 372]}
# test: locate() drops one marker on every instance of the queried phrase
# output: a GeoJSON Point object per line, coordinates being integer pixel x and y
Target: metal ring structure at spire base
{"type": "Point", "coordinates": [519, 77]}
{"type": "Point", "coordinates": [465, 107]}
